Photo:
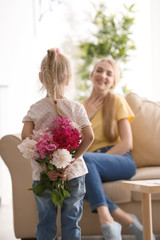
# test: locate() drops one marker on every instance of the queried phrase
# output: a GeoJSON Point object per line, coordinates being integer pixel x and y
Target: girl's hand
{"type": "Point", "coordinates": [61, 173]}
{"type": "Point", "coordinates": [64, 172]}
{"type": "Point", "coordinates": [92, 105]}
{"type": "Point", "coordinates": [53, 175]}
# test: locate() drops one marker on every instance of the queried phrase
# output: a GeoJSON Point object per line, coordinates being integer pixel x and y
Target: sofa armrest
{"type": "Point", "coordinates": [24, 207]}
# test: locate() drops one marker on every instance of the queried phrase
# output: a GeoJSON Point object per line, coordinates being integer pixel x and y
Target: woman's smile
{"type": "Point", "coordinates": [103, 75]}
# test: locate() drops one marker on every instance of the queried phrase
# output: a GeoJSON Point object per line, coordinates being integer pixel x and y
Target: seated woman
{"type": "Point", "coordinates": [109, 157]}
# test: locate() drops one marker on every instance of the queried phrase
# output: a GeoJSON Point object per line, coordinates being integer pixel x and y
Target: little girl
{"type": "Point", "coordinates": [55, 74]}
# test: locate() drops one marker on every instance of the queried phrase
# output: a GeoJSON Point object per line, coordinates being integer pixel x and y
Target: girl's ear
{"type": "Point", "coordinates": [41, 77]}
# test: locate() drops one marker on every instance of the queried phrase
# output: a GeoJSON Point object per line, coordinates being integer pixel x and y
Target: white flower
{"type": "Point", "coordinates": [28, 148]}
{"type": "Point", "coordinates": [61, 158]}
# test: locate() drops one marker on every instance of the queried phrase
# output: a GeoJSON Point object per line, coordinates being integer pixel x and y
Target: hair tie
{"type": "Point", "coordinates": [57, 51]}
{"type": "Point", "coordinates": [55, 101]}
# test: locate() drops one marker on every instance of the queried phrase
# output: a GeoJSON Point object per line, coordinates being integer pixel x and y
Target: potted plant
{"type": "Point", "coordinates": [113, 37]}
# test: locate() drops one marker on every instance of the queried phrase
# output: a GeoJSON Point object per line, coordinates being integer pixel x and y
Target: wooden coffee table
{"type": "Point", "coordinates": [146, 188]}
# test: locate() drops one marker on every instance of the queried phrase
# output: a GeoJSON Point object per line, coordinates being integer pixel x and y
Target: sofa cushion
{"type": "Point", "coordinates": [146, 130]}
{"type": "Point", "coordinates": [146, 173]}
{"type": "Point", "coordinates": [116, 192]}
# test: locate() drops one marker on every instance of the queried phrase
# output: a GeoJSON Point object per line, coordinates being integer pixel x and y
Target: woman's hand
{"type": "Point", "coordinates": [93, 104]}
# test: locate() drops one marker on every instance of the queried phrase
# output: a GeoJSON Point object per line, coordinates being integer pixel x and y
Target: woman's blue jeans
{"type": "Point", "coordinates": [105, 167]}
{"type": "Point", "coordinates": [71, 213]}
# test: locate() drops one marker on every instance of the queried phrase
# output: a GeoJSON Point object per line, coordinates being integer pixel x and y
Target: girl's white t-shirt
{"type": "Point", "coordinates": [42, 113]}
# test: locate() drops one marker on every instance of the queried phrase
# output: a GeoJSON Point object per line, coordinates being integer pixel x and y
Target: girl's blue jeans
{"type": "Point", "coordinates": [71, 213]}
{"type": "Point", "coordinates": [105, 167]}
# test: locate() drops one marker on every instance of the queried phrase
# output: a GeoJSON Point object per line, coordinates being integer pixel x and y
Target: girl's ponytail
{"type": "Point", "coordinates": [51, 74]}
{"type": "Point", "coordinates": [56, 73]}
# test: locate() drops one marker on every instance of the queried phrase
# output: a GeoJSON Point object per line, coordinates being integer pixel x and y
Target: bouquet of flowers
{"type": "Point", "coordinates": [54, 149]}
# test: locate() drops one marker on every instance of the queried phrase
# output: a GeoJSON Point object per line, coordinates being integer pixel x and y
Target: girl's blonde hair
{"type": "Point", "coordinates": [110, 125]}
{"type": "Point", "coordinates": [56, 72]}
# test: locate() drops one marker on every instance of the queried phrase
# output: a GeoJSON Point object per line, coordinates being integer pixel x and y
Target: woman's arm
{"type": "Point", "coordinates": [126, 143]}
{"type": "Point", "coordinates": [27, 130]}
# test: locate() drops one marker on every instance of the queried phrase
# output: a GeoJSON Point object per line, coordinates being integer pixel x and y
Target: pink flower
{"type": "Point", "coordinates": [38, 135]}
{"type": "Point", "coordinates": [60, 121]}
{"type": "Point", "coordinates": [65, 133]}
{"type": "Point", "coordinates": [46, 144]}
{"type": "Point", "coordinates": [51, 147]}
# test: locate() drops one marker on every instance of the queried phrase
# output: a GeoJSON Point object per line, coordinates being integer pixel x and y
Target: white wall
{"type": "Point", "coordinates": [139, 76]}
{"type": "Point", "coordinates": [139, 68]}
{"type": "Point", "coordinates": [17, 54]}
{"type": "Point", "coordinates": [155, 34]}
{"type": "Point", "coordinates": [16, 60]}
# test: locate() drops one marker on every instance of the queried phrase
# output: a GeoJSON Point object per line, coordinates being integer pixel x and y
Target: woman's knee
{"type": "Point", "coordinates": [87, 157]}
{"type": "Point", "coordinates": [133, 170]}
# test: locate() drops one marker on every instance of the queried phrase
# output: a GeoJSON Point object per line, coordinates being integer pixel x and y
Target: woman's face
{"type": "Point", "coordinates": [103, 76]}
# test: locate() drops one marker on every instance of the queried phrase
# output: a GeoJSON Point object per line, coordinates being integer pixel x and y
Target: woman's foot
{"type": "Point", "coordinates": [137, 229]}
{"type": "Point", "coordinates": [112, 231]}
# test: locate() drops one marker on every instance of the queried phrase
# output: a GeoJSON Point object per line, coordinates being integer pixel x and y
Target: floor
{"type": "Point", "coordinates": [7, 232]}
{"type": "Point", "coordinates": [6, 223]}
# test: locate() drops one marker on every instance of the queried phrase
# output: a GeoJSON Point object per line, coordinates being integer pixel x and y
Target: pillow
{"type": "Point", "coordinates": [146, 130]}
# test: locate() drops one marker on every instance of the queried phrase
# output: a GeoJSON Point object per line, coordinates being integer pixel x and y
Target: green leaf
{"type": "Point", "coordinates": [43, 176]}
{"type": "Point", "coordinates": [57, 197]}
{"type": "Point", "coordinates": [50, 166]}
{"type": "Point", "coordinates": [54, 199]}
{"type": "Point", "coordinates": [38, 189]}
{"type": "Point", "coordinates": [66, 193]}
{"type": "Point", "coordinates": [67, 185]}
{"type": "Point", "coordinates": [59, 189]}
{"type": "Point", "coordinates": [42, 161]}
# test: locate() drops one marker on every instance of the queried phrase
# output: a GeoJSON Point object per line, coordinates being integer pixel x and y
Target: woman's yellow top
{"type": "Point", "coordinates": [123, 110]}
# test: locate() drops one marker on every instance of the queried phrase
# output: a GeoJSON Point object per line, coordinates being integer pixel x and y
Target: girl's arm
{"type": "Point", "coordinates": [126, 143]}
{"type": "Point", "coordinates": [88, 137]}
{"type": "Point", "coordinates": [27, 130]}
